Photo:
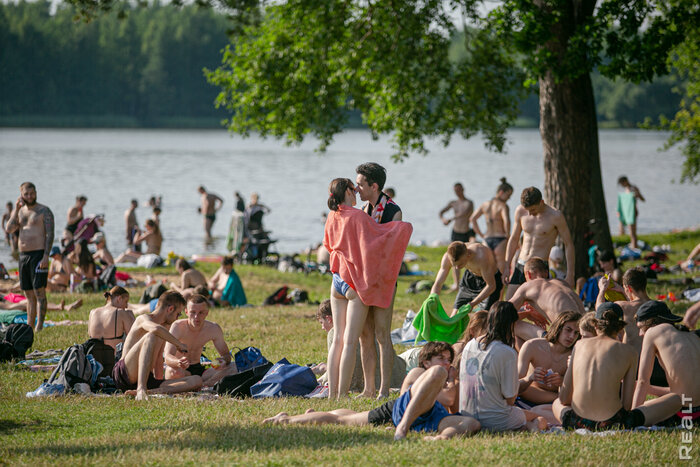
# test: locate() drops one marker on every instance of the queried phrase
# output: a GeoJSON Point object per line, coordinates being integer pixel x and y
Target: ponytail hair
{"type": "Point", "coordinates": [115, 291]}
{"type": "Point", "coordinates": [610, 323]}
{"type": "Point", "coordinates": [336, 192]}
{"type": "Point", "coordinates": [505, 187]}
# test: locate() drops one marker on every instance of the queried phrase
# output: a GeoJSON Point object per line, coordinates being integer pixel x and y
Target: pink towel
{"type": "Point", "coordinates": [14, 298]}
{"type": "Point", "coordinates": [366, 254]}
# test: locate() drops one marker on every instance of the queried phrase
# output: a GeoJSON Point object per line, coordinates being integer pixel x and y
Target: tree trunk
{"type": "Point", "coordinates": [573, 183]}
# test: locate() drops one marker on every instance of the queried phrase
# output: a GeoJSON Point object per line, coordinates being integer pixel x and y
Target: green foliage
{"type": "Point", "coordinates": [685, 126]}
{"type": "Point", "coordinates": [143, 67]}
{"type": "Point", "coordinates": [300, 70]}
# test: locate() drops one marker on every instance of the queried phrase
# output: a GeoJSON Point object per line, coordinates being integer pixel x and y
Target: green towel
{"type": "Point", "coordinates": [8, 316]}
{"type": "Point", "coordinates": [433, 324]}
{"type": "Point", "coordinates": [626, 207]}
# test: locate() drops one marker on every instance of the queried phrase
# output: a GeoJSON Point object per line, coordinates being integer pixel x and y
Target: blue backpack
{"type": "Point", "coordinates": [285, 379]}
{"type": "Point", "coordinates": [248, 358]}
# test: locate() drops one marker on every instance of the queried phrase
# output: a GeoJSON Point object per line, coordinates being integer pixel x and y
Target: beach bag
{"type": "Point", "coordinates": [108, 277]}
{"type": "Point", "coordinates": [152, 292]}
{"type": "Point", "coordinates": [149, 260]}
{"type": "Point", "coordinates": [239, 385]}
{"type": "Point", "coordinates": [285, 379]}
{"type": "Point", "coordinates": [103, 353]}
{"type": "Point", "coordinates": [278, 297]}
{"type": "Point", "coordinates": [73, 368]}
{"type": "Point", "coordinates": [16, 339]}
{"type": "Point", "coordinates": [299, 296]}
{"type": "Point", "coordinates": [248, 358]}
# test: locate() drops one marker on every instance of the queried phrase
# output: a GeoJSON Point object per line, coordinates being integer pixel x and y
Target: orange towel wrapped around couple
{"type": "Point", "coordinates": [366, 254]}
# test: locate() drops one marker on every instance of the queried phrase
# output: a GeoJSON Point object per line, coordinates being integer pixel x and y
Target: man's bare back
{"type": "Point", "coordinates": [679, 355]}
{"type": "Point", "coordinates": [548, 296]}
{"type": "Point", "coordinates": [192, 278]}
{"type": "Point", "coordinates": [598, 364]}
{"type": "Point", "coordinates": [208, 201]}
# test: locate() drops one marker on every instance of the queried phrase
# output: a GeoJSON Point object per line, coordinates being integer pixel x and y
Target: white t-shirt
{"type": "Point", "coordinates": [486, 379]}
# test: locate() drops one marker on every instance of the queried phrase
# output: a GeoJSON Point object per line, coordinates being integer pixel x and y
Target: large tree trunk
{"type": "Point", "coordinates": [573, 183]}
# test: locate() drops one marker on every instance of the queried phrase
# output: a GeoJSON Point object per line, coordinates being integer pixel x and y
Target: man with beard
{"type": "Point", "coordinates": [35, 224]}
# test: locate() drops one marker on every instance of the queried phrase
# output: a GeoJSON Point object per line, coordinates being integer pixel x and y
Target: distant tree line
{"type": "Point", "coordinates": [143, 67]}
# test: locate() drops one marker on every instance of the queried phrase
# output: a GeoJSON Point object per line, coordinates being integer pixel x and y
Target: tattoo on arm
{"type": "Point", "coordinates": [48, 228]}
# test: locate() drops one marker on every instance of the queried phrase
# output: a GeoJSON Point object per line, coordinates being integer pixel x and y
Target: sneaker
{"type": "Point", "coordinates": [321, 392]}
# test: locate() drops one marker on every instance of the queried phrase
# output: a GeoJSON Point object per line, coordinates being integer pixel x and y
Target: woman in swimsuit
{"type": "Point", "coordinates": [348, 311]}
{"type": "Point", "coordinates": [112, 322]}
{"type": "Point", "coordinates": [497, 222]}
{"type": "Point", "coordinates": [153, 239]}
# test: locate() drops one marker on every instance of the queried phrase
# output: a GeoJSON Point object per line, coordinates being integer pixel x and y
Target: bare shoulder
{"type": "Point", "coordinates": [43, 210]}
{"type": "Point", "coordinates": [520, 211]}
{"type": "Point", "coordinates": [212, 328]}
{"type": "Point", "coordinates": [537, 344]}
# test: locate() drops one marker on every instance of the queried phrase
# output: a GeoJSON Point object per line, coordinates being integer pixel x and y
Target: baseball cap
{"type": "Point", "coordinates": [656, 309]}
{"type": "Point", "coordinates": [55, 251]}
{"type": "Point", "coordinates": [609, 306]}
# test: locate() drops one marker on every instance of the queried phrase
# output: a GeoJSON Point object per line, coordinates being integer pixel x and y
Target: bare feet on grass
{"type": "Point", "coordinates": [139, 395]}
{"type": "Point", "coordinates": [75, 305]}
{"type": "Point", "coordinates": [281, 418]}
{"type": "Point", "coordinates": [401, 432]}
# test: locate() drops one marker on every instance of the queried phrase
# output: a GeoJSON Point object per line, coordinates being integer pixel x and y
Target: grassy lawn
{"type": "Point", "coordinates": [77, 430]}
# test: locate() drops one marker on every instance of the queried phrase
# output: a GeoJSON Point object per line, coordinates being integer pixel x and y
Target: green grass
{"type": "Point", "coordinates": [76, 430]}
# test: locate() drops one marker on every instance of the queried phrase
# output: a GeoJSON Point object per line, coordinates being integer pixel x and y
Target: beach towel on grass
{"type": "Point", "coordinates": [365, 254]}
{"type": "Point", "coordinates": [10, 316]}
{"type": "Point", "coordinates": [433, 324]}
{"type": "Point", "coordinates": [233, 292]}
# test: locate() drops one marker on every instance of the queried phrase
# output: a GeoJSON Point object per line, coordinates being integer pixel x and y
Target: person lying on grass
{"type": "Point", "coordinates": [194, 332]}
{"type": "Point", "coordinates": [425, 393]}
{"type": "Point", "coordinates": [140, 371]}
{"type": "Point", "coordinates": [590, 396]}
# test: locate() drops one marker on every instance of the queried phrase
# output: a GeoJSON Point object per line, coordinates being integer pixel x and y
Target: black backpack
{"type": "Point", "coordinates": [239, 385]}
{"type": "Point", "coordinates": [15, 340]}
{"type": "Point", "coordinates": [103, 353]}
{"type": "Point", "coordinates": [278, 297]}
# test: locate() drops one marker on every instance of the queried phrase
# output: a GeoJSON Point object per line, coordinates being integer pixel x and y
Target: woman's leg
{"type": "Point", "coordinates": [339, 305]}
{"type": "Point", "coordinates": [356, 316]}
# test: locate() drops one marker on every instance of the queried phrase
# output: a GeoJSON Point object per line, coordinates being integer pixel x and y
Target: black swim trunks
{"type": "Point", "coordinates": [121, 378]}
{"type": "Point", "coordinates": [31, 277]}
{"type": "Point", "coordinates": [471, 285]}
{"type": "Point", "coordinates": [518, 276]}
{"type": "Point", "coordinates": [493, 242]}
{"type": "Point", "coordinates": [196, 369]}
{"type": "Point", "coordinates": [622, 419]}
{"type": "Point", "coordinates": [382, 414]}
{"type": "Point", "coordinates": [462, 236]}
{"type": "Point", "coordinates": [211, 217]}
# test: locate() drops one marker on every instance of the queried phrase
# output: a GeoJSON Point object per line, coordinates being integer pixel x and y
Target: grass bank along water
{"type": "Point", "coordinates": [80, 430]}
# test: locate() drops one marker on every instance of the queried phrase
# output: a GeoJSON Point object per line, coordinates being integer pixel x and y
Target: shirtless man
{"type": "Point", "coordinates": [497, 217]}
{"type": "Point", "coordinates": [481, 281]}
{"type": "Point", "coordinates": [425, 393]}
{"type": "Point", "coordinates": [60, 270]}
{"type": "Point", "coordinates": [218, 281]}
{"type": "Point", "coordinates": [74, 216]}
{"type": "Point", "coordinates": [370, 181]}
{"type": "Point", "coordinates": [542, 362]}
{"type": "Point", "coordinates": [35, 224]}
{"type": "Point", "coordinates": [10, 238]}
{"type": "Point", "coordinates": [590, 396]}
{"type": "Point", "coordinates": [140, 370]}
{"type": "Point", "coordinates": [678, 352]}
{"type": "Point", "coordinates": [634, 286]}
{"type": "Point", "coordinates": [540, 225]}
{"type": "Point", "coordinates": [194, 332]}
{"type": "Point", "coordinates": [189, 277]}
{"type": "Point", "coordinates": [210, 204]}
{"type": "Point", "coordinates": [462, 207]}
{"type": "Point", "coordinates": [547, 297]}
{"type": "Point", "coordinates": [132, 227]}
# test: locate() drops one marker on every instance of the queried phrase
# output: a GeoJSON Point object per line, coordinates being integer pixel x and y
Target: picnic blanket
{"type": "Point", "coordinates": [365, 254]}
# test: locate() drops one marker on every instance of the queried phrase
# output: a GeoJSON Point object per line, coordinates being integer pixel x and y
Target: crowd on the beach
{"type": "Point", "coordinates": [531, 354]}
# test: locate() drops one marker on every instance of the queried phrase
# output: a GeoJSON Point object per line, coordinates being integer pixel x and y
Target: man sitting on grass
{"type": "Point", "coordinates": [425, 393]}
{"type": "Point", "coordinates": [194, 332]}
{"type": "Point", "coordinates": [678, 351]}
{"type": "Point", "coordinates": [140, 371]}
{"type": "Point", "coordinates": [590, 396]}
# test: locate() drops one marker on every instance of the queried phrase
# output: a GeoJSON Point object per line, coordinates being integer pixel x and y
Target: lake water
{"type": "Point", "coordinates": [111, 167]}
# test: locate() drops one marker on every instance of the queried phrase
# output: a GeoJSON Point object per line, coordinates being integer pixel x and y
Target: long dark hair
{"type": "Point", "coordinates": [85, 260]}
{"type": "Point", "coordinates": [499, 324]}
{"type": "Point", "coordinates": [336, 192]}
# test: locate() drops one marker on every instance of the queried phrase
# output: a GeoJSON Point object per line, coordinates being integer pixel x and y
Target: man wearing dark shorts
{"type": "Point", "coordinates": [481, 283]}
{"type": "Point", "coordinates": [462, 207]}
{"type": "Point", "coordinates": [35, 224]}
